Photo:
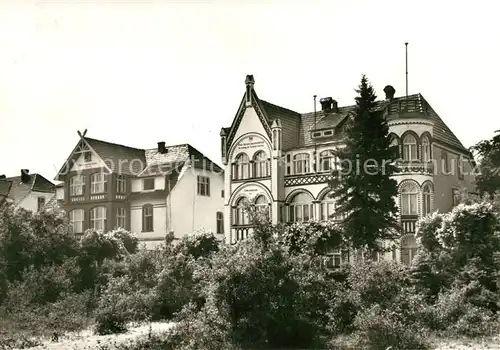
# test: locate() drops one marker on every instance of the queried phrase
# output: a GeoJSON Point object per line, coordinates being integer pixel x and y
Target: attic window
{"type": "Point", "coordinates": [87, 156]}
{"type": "Point", "coordinates": [317, 134]}
{"type": "Point", "coordinates": [328, 133]}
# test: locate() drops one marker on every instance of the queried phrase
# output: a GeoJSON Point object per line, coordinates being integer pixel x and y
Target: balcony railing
{"type": "Point", "coordinates": [409, 224]}
{"type": "Point", "coordinates": [411, 105]}
{"type": "Point", "coordinates": [77, 198]}
{"type": "Point", "coordinates": [95, 197]}
{"type": "Point", "coordinates": [240, 233]}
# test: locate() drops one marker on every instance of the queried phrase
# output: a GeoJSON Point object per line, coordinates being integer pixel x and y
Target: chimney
{"type": "Point", "coordinates": [326, 104]}
{"type": "Point", "coordinates": [2, 176]}
{"type": "Point", "coordinates": [335, 106]}
{"type": "Point", "coordinates": [389, 92]}
{"type": "Point", "coordinates": [161, 147]}
{"type": "Point", "coordinates": [25, 175]}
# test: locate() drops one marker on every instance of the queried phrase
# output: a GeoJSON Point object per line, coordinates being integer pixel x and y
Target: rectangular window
{"type": "Point", "coordinates": [76, 220]}
{"type": "Point", "coordinates": [121, 217]}
{"type": "Point", "coordinates": [327, 210]}
{"type": "Point", "coordinates": [121, 184]}
{"type": "Point", "coordinates": [456, 197]}
{"type": "Point", "coordinates": [444, 161]}
{"type": "Point", "coordinates": [87, 156]}
{"type": "Point", "coordinates": [203, 186]}
{"type": "Point", "coordinates": [77, 185]}
{"type": "Point", "coordinates": [288, 165]}
{"type": "Point", "coordinates": [148, 184]}
{"type": "Point", "coordinates": [222, 193]}
{"type": "Point", "coordinates": [98, 183]}
{"type": "Point", "coordinates": [98, 219]}
{"type": "Point", "coordinates": [220, 222]}
{"type": "Point", "coordinates": [147, 218]}
{"type": "Point", "coordinates": [460, 168]}
{"type": "Point", "coordinates": [40, 203]}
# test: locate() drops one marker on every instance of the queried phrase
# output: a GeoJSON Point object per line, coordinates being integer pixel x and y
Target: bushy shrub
{"type": "Point", "coordinates": [256, 298]}
{"type": "Point", "coordinates": [381, 329]}
{"type": "Point", "coordinates": [312, 237]}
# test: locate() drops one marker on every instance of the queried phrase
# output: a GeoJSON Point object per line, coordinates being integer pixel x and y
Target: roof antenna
{"type": "Point", "coordinates": [314, 112]}
{"type": "Point", "coordinates": [406, 49]}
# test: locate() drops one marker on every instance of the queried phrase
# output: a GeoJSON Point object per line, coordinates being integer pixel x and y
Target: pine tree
{"type": "Point", "coordinates": [363, 187]}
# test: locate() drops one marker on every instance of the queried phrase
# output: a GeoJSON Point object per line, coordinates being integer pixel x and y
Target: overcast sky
{"type": "Point", "coordinates": [143, 72]}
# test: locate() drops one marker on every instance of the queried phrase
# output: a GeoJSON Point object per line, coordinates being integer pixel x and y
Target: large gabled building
{"type": "Point", "coordinates": [150, 192]}
{"type": "Point", "coordinates": [281, 160]}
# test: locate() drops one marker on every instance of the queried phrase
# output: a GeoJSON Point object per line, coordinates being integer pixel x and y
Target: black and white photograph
{"type": "Point", "coordinates": [267, 174]}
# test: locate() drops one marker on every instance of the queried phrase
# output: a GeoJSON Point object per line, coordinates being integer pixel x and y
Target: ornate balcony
{"type": "Point", "coordinates": [240, 233]}
{"type": "Point", "coordinates": [307, 179]}
{"type": "Point", "coordinates": [409, 223]}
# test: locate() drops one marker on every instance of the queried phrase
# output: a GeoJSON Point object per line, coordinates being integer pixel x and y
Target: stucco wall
{"type": "Point", "coordinates": [30, 202]}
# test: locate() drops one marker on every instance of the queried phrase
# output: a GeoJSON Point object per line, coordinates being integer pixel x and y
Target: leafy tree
{"type": "Point", "coordinates": [488, 154]}
{"type": "Point", "coordinates": [363, 185]}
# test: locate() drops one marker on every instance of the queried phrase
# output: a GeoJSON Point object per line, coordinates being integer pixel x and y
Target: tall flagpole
{"type": "Point", "coordinates": [406, 47]}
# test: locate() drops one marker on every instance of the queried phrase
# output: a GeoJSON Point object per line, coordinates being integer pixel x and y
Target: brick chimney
{"type": "Point", "coordinates": [326, 104]}
{"type": "Point", "coordinates": [389, 92]}
{"type": "Point", "coordinates": [25, 175]}
{"type": "Point", "coordinates": [161, 147]}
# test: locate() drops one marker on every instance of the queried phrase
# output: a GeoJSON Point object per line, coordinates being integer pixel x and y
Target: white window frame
{"type": "Point", "coordinates": [426, 199]}
{"type": "Point", "coordinates": [121, 217]}
{"type": "Point", "coordinates": [144, 181]}
{"type": "Point", "coordinates": [76, 221]}
{"type": "Point", "coordinates": [327, 160]}
{"type": "Point", "coordinates": [408, 251]}
{"type": "Point", "coordinates": [426, 149]}
{"type": "Point", "coordinates": [98, 183]}
{"type": "Point", "coordinates": [409, 198]}
{"type": "Point", "coordinates": [410, 148]}
{"type": "Point", "coordinates": [301, 163]}
{"type": "Point", "coordinates": [242, 167]}
{"type": "Point", "coordinates": [219, 222]}
{"type": "Point", "coordinates": [240, 212]}
{"type": "Point", "coordinates": [203, 183]}
{"type": "Point", "coordinates": [98, 218]}
{"type": "Point", "coordinates": [261, 164]}
{"type": "Point", "coordinates": [148, 212]}
{"type": "Point", "coordinates": [121, 184]}
{"type": "Point", "coordinates": [76, 185]}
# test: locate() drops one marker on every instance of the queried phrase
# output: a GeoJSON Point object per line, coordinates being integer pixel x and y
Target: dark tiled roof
{"type": "Point", "coordinates": [19, 190]}
{"type": "Point", "coordinates": [297, 127]}
{"type": "Point", "coordinates": [149, 162]}
{"type": "Point", "coordinates": [5, 188]}
{"type": "Point", "coordinates": [121, 159]}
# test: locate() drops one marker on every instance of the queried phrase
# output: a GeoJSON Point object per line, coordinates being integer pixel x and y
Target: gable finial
{"type": "Point", "coordinates": [249, 82]}
{"type": "Point", "coordinates": [84, 133]}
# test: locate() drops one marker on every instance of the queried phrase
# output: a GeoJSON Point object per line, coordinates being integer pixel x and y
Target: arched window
{"type": "Point", "coordinates": [98, 219]}
{"type": "Point", "coordinates": [426, 149]}
{"type": "Point", "coordinates": [426, 199]}
{"type": "Point", "coordinates": [98, 183]}
{"type": "Point", "coordinates": [76, 218]}
{"type": "Point", "coordinates": [327, 208]}
{"type": "Point", "coordinates": [409, 195]}
{"type": "Point", "coordinates": [395, 144]}
{"type": "Point", "coordinates": [241, 168]}
{"type": "Point", "coordinates": [77, 185]}
{"type": "Point", "coordinates": [240, 215]}
{"type": "Point", "coordinates": [409, 147]}
{"type": "Point", "coordinates": [147, 218]}
{"type": "Point", "coordinates": [301, 208]}
{"type": "Point", "coordinates": [261, 204]}
{"type": "Point", "coordinates": [327, 160]}
{"type": "Point", "coordinates": [301, 163]}
{"type": "Point", "coordinates": [261, 164]}
{"type": "Point", "coordinates": [409, 248]}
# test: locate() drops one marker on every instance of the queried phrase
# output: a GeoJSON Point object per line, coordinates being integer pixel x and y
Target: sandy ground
{"type": "Point", "coordinates": [89, 341]}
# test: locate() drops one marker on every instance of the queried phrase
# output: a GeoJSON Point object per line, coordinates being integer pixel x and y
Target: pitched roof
{"type": "Point", "coordinates": [121, 159]}
{"type": "Point", "coordinates": [127, 160]}
{"type": "Point", "coordinates": [297, 127]}
{"type": "Point", "coordinates": [19, 190]}
{"type": "Point", "coordinates": [5, 187]}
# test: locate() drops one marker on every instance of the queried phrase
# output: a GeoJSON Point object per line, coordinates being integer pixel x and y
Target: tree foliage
{"type": "Point", "coordinates": [487, 153]}
{"type": "Point", "coordinates": [363, 185]}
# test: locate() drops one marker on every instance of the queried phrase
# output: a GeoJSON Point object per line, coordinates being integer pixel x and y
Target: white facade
{"type": "Point", "coordinates": [295, 186]}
